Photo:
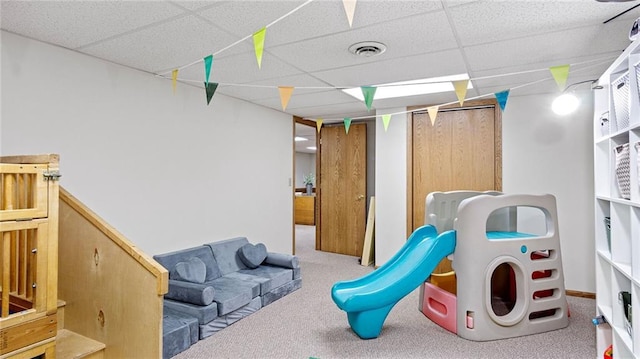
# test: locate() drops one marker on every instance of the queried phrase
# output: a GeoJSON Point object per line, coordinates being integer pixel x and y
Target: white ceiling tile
{"type": "Point", "coordinates": [256, 91]}
{"type": "Point", "coordinates": [197, 5]}
{"type": "Point", "coordinates": [166, 46]}
{"type": "Point", "coordinates": [401, 69]}
{"type": "Point", "coordinates": [428, 33]}
{"type": "Point", "coordinates": [522, 75]}
{"type": "Point", "coordinates": [542, 48]}
{"type": "Point", "coordinates": [526, 18]}
{"type": "Point", "coordinates": [244, 18]}
{"type": "Point", "coordinates": [73, 24]}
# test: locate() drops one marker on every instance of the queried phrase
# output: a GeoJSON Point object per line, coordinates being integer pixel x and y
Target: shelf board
{"type": "Point", "coordinates": [622, 334]}
{"type": "Point", "coordinates": [623, 268]}
{"type": "Point", "coordinates": [606, 255]}
{"type": "Point", "coordinates": [607, 311]}
{"type": "Point", "coordinates": [626, 202]}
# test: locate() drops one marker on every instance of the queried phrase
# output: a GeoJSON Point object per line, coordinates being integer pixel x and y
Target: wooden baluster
{"type": "Point", "coordinates": [13, 256]}
{"type": "Point", "coordinates": [31, 263]}
{"type": "Point", "coordinates": [6, 239]}
{"type": "Point", "coordinates": [23, 259]}
{"type": "Point", "coordinates": [9, 180]}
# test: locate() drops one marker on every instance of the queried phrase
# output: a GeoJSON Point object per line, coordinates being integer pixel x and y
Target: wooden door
{"type": "Point", "coordinates": [343, 188]}
{"type": "Point", "coordinates": [461, 151]}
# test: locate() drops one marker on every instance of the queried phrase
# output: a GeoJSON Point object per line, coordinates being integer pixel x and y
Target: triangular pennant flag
{"type": "Point", "coordinates": [368, 92]}
{"type": "Point", "coordinates": [174, 79]}
{"type": "Point", "coordinates": [461, 89]}
{"type": "Point", "coordinates": [258, 44]}
{"type": "Point", "coordinates": [318, 124]}
{"type": "Point", "coordinates": [502, 98]}
{"type": "Point", "coordinates": [560, 74]}
{"type": "Point", "coordinates": [285, 95]}
{"type": "Point", "coordinates": [385, 121]}
{"type": "Point", "coordinates": [207, 68]}
{"type": "Point", "coordinates": [433, 112]}
{"type": "Point", "coordinates": [347, 124]}
{"type": "Point", "coordinates": [350, 9]}
{"type": "Point", "coordinates": [210, 88]}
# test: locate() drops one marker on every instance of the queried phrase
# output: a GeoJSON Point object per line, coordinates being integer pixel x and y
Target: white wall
{"type": "Point", "coordinates": [547, 153]}
{"type": "Point", "coordinates": [391, 185]}
{"type": "Point", "coordinates": [166, 170]}
{"type": "Point", "coordinates": [542, 153]}
{"type": "Point", "coordinates": [305, 164]}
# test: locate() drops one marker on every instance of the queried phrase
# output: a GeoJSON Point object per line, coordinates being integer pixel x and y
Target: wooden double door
{"type": "Point", "coordinates": [461, 151]}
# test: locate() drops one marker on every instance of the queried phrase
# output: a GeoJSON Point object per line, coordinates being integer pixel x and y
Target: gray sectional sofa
{"type": "Point", "coordinates": [218, 284]}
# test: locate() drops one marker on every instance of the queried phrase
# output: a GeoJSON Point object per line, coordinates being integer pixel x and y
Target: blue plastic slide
{"type": "Point", "coordinates": [369, 299]}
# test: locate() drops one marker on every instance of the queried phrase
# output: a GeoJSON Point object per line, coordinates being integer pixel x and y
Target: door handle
{"type": "Point", "coordinates": [360, 197]}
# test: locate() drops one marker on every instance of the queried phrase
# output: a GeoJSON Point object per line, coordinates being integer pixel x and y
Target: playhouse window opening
{"type": "Point", "coordinates": [503, 289]}
{"type": "Point", "coordinates": [543, 313]}
{"type": "Point", "coordinates": [543, 254]}
{"type": "Point", "coordinates": [516, 222]}
{"type": "Point", "coordinates": [543, 274]}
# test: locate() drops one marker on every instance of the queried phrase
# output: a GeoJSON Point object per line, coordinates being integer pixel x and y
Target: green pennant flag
{"type": "Point", "coordinates": [560, 74]}
{"type": "Point", "coordinates": [502, 98]}
{"type": "Point", "coordinates": [210, 88]}
{"type": "Point", "coordinates": [258, 44]}
{"type": "Point", "coordinates": [368, 92]}
{"type": "Point", "coordinates": [347, 124]}
{"type": "Point", "coordinates": [207, 68]}
{"type": "Point", "coordinates": [385, 121]}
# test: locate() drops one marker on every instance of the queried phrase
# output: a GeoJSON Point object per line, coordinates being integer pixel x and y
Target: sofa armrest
{"type": "Point", "coordinates": [194, 293]}
{"type": "Point", "coordinates": [282, 260]}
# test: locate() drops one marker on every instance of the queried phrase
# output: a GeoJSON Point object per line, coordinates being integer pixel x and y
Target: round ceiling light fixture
{"type": "Point", "coordinates": [367, 48]}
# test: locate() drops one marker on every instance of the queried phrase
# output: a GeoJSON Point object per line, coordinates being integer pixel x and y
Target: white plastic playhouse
{"type": "Point", "coordinates": [504, 283]}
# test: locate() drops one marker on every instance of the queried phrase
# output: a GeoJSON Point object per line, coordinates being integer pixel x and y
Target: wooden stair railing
{"type": "Point", "coordinates": [113, 291]}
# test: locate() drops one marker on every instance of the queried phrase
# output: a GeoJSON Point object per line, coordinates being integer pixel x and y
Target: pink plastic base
{"type": "Point", "coordinates": [439, 306]}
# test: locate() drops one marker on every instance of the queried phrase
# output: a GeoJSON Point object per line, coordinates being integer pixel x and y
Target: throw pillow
{"type": "Point", "coordinates": [252, 256]}
{"type": "Point", "coordinates": [193, 270]}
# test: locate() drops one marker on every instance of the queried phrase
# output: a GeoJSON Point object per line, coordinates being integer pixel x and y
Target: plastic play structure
{"type": "Point", "coordinates": [505, 283]}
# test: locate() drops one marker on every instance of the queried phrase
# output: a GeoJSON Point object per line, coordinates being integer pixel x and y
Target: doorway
{"type": "Point", "coordinates": [305, 167]}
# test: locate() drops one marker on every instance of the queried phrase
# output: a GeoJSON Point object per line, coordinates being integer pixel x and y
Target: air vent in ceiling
{"type": "Point", "coordinates": [367, 48]}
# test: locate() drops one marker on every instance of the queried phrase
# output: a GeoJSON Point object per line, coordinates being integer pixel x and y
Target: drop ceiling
{"type": "Point", "coordinates": [500, 44]}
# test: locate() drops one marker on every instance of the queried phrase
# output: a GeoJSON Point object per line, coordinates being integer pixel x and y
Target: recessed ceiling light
{"type": "Point", "coordinates": [411, 88]}
{"type": "Point", "coordinates": [313, 148]}
{"type": "Point", "coordinates": [299, 139]}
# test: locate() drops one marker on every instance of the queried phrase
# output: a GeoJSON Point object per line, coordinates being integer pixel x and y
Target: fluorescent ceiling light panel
{"type": "Point", "coordinates": [411, 88]}
{"type": "Point", "coordinates": [299, 139]}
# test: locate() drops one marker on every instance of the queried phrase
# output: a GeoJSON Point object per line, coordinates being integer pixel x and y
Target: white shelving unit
{"type": "Point", "coordinates": [617, 261]}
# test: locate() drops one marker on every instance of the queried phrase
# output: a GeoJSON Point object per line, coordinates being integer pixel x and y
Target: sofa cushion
{"type": "Point", "coordinates": [176, 336]}
{"type": "Point", "coordinates": [204, 313]}
{"type": "Point", "coordinates": [248, 278]}
{"type": "Point", "coordinates": [226, 254]}
{"type": "Point", "coordinates": [188, 292]}
{"type": "Point", "coordinates": [192, 270]}
{"type": "Point", "coordinates": [252, 255]}
{"type": "Point", "coordinates": [169, 260]}
{"type": "Point", "coordinates": [277, 276]}
{"type": "Point", "coordinates": [231, 293]}
{"type": "Point", "coordinates": [282, 260]}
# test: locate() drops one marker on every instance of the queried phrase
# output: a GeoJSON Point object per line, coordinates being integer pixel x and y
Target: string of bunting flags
{"type": "Point", "coordinates": [559, 73]}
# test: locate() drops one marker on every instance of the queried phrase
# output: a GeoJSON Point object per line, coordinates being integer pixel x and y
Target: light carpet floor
{"type": "Point", "coordinates": [306, 323]}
